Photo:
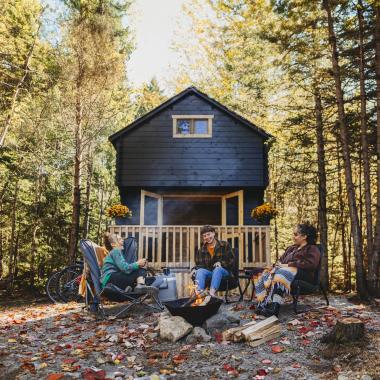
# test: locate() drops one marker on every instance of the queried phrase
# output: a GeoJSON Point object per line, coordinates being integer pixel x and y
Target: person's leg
{"type": "Point", "coordinates": [216, 279]}
{"type": "Point", "coordinates": [121, 280]}
{"type": "Point", "coordinates": [201, 276]}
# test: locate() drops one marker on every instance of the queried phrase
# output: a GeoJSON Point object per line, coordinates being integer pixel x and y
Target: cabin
{"type": "Point", "coordinates": [189, 162]}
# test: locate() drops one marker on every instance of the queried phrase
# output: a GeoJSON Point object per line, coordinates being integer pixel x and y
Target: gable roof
{"type": "Point", "coordinates": [176, 98]}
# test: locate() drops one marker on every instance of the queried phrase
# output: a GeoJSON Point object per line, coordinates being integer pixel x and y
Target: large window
{"type": "Point", "coordinates": [194, 126]}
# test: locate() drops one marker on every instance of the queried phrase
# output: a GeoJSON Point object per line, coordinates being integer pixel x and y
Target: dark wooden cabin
{"type": "Point", "coordinates": [191, 161]}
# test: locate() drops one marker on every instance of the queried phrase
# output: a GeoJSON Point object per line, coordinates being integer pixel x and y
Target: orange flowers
{"type": "Point", "coordinates": [120, 211]}
{"type": "Point", "coordinates": [264, 211]}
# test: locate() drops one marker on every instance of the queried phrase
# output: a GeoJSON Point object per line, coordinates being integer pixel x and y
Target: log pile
{"type": "Point", "coordinates": [254, 333]}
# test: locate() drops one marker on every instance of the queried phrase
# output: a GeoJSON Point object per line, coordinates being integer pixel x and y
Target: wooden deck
{"type": "Point", "coordinates": [175, 246]}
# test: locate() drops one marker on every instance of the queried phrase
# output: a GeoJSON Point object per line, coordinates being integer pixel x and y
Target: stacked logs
{"type": "Point", "coordinates": [254, 333]}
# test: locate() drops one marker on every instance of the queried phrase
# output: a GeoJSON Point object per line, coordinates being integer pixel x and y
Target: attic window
{"type": "Point", "coordinates": [193, 126]}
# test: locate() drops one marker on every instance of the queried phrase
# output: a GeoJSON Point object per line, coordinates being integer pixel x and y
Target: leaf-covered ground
{"type": "Point", "coordinates": [45, 341]}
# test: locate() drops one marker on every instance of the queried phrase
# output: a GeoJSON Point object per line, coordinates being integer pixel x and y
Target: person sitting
{"type": "Point", "coordinates": [116, 270]}
{"type": "Point", "coordinates": [299, 262]}
{"type": "Point", "coordinates": [100, 252]}
{"type": "Point", "coordinates": [213, 260]}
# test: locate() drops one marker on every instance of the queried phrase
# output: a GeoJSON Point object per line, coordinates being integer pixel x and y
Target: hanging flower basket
{"type": "Point", "coordinates": [264, 212]}
{"type": "Point", "coordinates": [118, 212]}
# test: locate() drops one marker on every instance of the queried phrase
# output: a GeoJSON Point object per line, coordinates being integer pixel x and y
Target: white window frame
{"type": "Point", "coordinates": [194, 117]}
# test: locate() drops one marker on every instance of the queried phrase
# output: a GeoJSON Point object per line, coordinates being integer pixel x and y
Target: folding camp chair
{"type": "Point", "coordinates": [94, 291]}
{"type": "Point", "coordinates": [232, 281]}
{"type": "Point", "coordinates": [300, 287]}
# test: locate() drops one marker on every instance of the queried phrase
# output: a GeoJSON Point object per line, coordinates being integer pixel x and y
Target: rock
{"type": "Point", "coordinates": [198, 335]}
{"type": "Point", "coordinates": [343, 377]}
{"type": "Point", "coordinates": [221, 321]}
{"type": "Point", "coordinates": [173, 328]}
{"type": "Point", "coordinates": [366, 377]}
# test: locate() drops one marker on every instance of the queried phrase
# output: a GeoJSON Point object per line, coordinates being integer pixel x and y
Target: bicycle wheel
{"type": "Point", "coordinates": [68, 282]}
{"type": "Point", "coordinates": [51, 288]}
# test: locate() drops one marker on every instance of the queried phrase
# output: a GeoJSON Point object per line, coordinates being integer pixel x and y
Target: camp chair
{"type": "Point", "coordinates": [232, 281]}
{"type": "Point", "coordinates": [94, 291]}
{"type": "Point", "coordinates": [300, 287]}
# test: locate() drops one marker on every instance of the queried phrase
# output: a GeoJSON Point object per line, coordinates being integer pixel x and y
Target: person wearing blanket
{"type": "Point", "coordinates": [299, 262]}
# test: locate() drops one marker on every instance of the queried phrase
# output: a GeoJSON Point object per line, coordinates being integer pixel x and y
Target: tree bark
{"type": "Point", "coordinates": [355, 227]}
{"type": "Point", "coordinates": [76, 202]}
{"type": "Point", "coordinates": [322, 189]}
{"type": "Point", "coordinates": [373, 273]}
{"type": "Point", "coordinates": [364, 139]}
{"type": "Point", "coordinates": [346, 330]}
{"type": "Point", "coordinates": [86, 217]}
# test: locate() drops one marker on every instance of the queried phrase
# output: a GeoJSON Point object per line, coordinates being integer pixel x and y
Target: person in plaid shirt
{"type": "Point", "coordinates": [214, 260]}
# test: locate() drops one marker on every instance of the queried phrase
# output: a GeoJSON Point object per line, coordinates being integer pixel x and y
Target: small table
{"type": "Point", "coordinates": [248, 276]}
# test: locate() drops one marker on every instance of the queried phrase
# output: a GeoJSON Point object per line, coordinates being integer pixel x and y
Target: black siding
{"type": "Point", "coordinates": [149, 155]}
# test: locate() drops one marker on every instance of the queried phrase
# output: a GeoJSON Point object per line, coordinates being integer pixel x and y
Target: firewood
{"type": "Point", "coordinates": [230, 333]}
{"type": "Point", "coordinates": [265, 324]}
{"type": "Point", "coordinates": [262, 334]}
{"type": "Point", "coordinates": [345, 330]}
{"type": "Point", "coordinates": [256, 343]}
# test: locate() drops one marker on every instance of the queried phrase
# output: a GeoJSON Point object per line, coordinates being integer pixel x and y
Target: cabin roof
{"type": "Point", "coordinates": [178, 97]}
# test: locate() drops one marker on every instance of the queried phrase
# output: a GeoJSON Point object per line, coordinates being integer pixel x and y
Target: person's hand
{"type": "Point", "coordinates": [217, 264]}
{"type": "Point", "coordinates": [142, 263]}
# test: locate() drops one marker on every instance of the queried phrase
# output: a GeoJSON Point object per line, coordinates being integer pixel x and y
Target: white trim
{"type": "Point", "coordinates": [160, 205]}
{"type": "Point", "coordinates": [240, 195]}
{"type": "Point", "coordinates": [193, 117]}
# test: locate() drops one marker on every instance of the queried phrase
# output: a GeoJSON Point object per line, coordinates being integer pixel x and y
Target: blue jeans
{"type": "Point", "coordinates": [216, 276]}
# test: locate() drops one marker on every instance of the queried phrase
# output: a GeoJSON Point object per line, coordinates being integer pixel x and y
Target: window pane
{"type": "Point", "coordinates": [183, 126]}
{"type": "Point", "coordinates": [200, 127]}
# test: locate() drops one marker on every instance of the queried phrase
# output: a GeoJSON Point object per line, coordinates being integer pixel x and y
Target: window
{"type": "Point", "coordinates": [198, 126]}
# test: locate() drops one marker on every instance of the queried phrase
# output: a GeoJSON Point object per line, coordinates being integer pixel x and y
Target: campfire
{"type": "Point", "coordinates": [194, 309]}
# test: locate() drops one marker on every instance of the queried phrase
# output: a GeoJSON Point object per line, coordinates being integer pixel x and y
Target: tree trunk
{"type": "Point", "coordinates": [355, 227]}
{"type": "Point", "coordinates": [322, 189]}
{"type": "Point", "coordinates": [12, 242]}
{"type": "Point", "coordinates": [98, 237]}
{"type": "Point", "coordinates": [76, 202]}
{"type": "Point", "coordinates": [346, 330]}
{"type": "Point", "coordinates": [373, 272]}
{"type": "Point", "coordinates": [364, 140]}
{"type": "Point", "coordinates": [86, 217]}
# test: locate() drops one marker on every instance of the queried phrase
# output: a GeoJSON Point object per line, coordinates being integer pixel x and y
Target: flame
{"type": "Point", "coordinates": [194, 292]}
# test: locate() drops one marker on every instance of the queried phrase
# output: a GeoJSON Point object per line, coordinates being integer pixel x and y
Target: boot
{"type": "Point", "coordinates": [272, 309]}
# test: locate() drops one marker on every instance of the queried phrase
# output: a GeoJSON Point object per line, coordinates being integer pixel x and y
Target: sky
{"type": "Point", "coordinates": [155, 23]}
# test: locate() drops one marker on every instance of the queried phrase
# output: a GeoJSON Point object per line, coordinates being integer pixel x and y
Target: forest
{"type": "Point", "coordinates": [307, 72]}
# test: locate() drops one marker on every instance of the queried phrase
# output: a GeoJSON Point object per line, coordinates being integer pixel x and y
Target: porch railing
{"type": "Point", "coordinates": [175, 246]}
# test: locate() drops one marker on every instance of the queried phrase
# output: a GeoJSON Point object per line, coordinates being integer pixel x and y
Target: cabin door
{"type": "Point", "coordinates": [232, 209]}
{"type": "Point", "coordinates": [151, 208]}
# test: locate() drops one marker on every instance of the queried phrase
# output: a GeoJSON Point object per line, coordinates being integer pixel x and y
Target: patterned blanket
{"type": "Point", "coordinates": [265, 282]}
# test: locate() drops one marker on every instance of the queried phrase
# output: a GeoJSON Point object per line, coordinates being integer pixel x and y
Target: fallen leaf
{"type": "Point", "coordinates": [277, 349]}
{"type": "Point", "coordinates": [55, 376]}
{"type": "Point", "coordinates": [218, 337]}
{"type": "Point", "coordinates": [29, 367]}
{"type": "Point", "coordinates": [296, 365]}
{"type": "Point", "coordinates": [91, 374]}
{"type": "Point", "coordinates": [179, 359]}
{"type": "Point", "coordinates": [231, 370]}
{"type": "Point", "coordinates": [266, 361]}
{"type": "Point", "coordinates": [262, 372]}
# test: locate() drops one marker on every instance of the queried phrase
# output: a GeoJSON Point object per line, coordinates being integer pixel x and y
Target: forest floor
{"type": "Point", "coordinates": [45, 341]}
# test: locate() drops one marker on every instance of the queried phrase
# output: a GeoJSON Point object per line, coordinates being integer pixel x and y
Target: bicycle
{"type": "Point", "coordinates": [63, 286]}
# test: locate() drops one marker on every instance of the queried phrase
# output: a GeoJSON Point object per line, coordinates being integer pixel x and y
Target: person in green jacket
{"type": "Point", "coordinates": [116, 270]}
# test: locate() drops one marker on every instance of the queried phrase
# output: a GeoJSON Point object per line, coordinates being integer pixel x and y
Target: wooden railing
{"type": "Point", "coordinates": [175, 246]}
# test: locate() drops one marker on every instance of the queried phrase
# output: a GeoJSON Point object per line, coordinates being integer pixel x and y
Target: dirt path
{"type": "Point", "coordinates": [64, 342]}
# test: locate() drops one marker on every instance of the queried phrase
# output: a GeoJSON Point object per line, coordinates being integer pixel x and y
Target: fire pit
{"type": "Point", "coordinates": [195, 315]}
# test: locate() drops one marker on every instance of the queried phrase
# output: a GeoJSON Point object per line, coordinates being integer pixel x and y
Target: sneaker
{"type": "Point", "coordinates": [206, 300]}
{"type": "Point", "coordinates": [142, 288]}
